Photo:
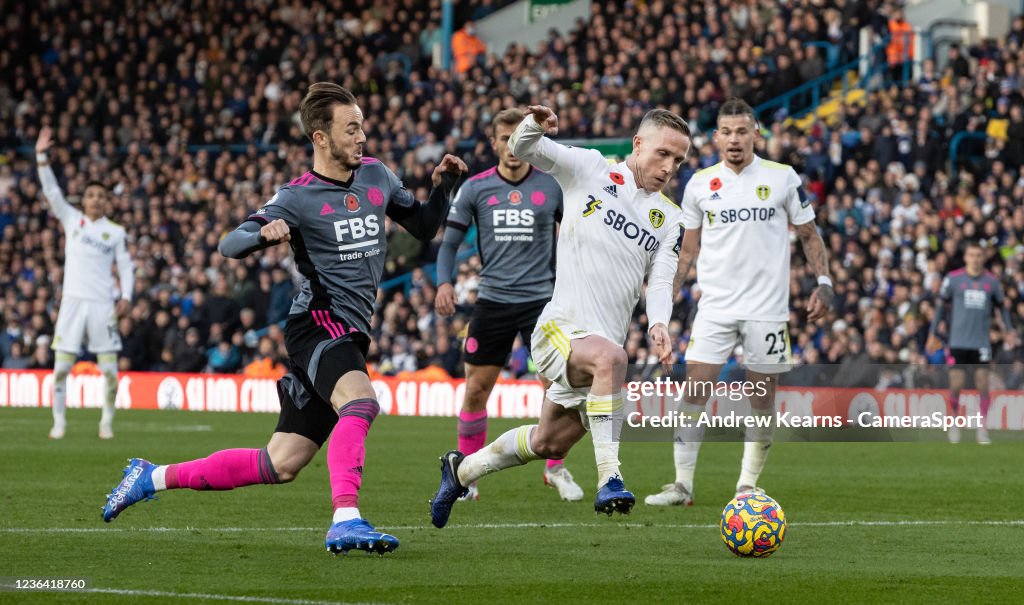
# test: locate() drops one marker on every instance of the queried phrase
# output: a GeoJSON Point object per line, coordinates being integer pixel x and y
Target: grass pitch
{"type": "Point", "coordinates": [869, 522]}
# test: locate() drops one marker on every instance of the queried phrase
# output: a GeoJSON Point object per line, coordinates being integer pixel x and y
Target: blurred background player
{"type": "Point", "coordinates": [516, 209]}
{"type": "Point", "coordinates": [737, 215]}
{"type": "Point", "coordinates": [332, 217]}
{"type": "Point", "coordinates": [974, 294]}
{"type": "Point", "coordinates": [92, 244]}
{"type": "Point", "coordinates": [617, 228]}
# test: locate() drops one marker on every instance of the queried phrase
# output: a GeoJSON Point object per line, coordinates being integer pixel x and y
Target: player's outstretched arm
{"type": "Point", "coordinates": [51, 189]}
{"type": "Point", "coordinates": [250, 236]}
{"type": "Point", "coordinates": [528, 143]}
{"type": "Point", "coordinates": [817, 257]}
{"type": "Point", "coordinates": [423, 219]}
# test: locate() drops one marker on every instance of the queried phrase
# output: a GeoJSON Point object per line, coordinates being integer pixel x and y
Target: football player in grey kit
{"type": "Point", "coordinates": [975, 294]}
{"type": "Point", "coordinates": [333, 219]}
{"type": "Point", "coordinates": [516, 208]}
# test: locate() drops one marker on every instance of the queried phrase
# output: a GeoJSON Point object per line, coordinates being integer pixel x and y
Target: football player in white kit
{"type": "Point", "coordinates": [617, 228]}
{"type": "Point", "coordinates": [737, 215]}
{"type": "Point", "coordinates": [87, 310]}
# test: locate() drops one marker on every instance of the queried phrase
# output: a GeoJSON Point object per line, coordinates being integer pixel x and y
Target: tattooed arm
{"type": "Point", "coordinates": [688, 251]}
{"type": "Point", "coordinates": [817, 257]}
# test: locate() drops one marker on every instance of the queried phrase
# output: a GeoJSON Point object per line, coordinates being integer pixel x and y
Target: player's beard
{"type": "Point", "coordinates": [343, 159]}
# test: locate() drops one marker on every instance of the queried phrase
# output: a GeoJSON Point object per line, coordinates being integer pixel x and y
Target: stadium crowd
{"type": "Point", "coordinates": [190, 118]}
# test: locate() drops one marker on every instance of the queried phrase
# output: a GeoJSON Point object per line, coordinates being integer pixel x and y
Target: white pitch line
{"type": "Point", "coordinates": [206, 597]}
{"type": "Point", "coordinates": [850, 523]}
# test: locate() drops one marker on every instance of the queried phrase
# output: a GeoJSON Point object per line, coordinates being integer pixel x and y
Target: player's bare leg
{"type": "Point", "coordinates": [758, 439]}
{"type": "Point", "coordinates": [957, 378]}
{"type": "Point", "coordinates": [981, 382]}
{"type": "Point", "coordinates": [556, 474]}
{"type": "Point", "coordinates": [687, 439]}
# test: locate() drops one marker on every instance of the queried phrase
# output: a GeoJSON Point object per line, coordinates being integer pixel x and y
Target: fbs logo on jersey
{"type": "Point", "coordinates": [515, 197]}
{"type": "Point", "coordinates": [593, 205]}
{"type": "Point", "coordinates": [352, 202]}
{"type": "Point", "coordinates": [657, 217]}
{"type": "Point", "coordinates": [763, 191]}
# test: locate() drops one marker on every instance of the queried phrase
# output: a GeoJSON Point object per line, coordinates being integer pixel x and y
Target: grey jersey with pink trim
{"type": "Point", "coordinates": [515, 232]}
{"type": "Point", "coordinates": [337, 235]}
{"type": "Point", "coordinates": [974, 299]}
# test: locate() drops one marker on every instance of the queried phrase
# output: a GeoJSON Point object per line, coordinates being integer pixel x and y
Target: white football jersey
{"type": "Point", "coordinates": [743, 264]}
{"type": "Point", "coordinates": [90, 248]}
{"type": "Point", "coordinates": [611, 236]}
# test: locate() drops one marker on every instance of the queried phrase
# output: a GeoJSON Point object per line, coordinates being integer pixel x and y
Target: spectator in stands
{"type": "Point", "coordinates": [900, 50]}
{"type": "Point", "coordinates": [467, 47]}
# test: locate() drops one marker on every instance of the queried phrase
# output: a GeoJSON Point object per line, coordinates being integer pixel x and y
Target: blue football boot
{"type": "Point", "coordinates": [136, 485]}
{"type": "Point", "coordinates": [450, 489]}
{"type": "Point", "coordinates": [358, 534]}
{"type": "Point", "coordinates": [614, 497]}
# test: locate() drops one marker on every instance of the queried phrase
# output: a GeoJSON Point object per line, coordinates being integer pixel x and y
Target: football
{"type": "Point", "coordinates": [753, 525]}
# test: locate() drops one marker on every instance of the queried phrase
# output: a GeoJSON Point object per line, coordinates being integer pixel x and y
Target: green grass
{"type": "Point", "coordinates": [267, 541]}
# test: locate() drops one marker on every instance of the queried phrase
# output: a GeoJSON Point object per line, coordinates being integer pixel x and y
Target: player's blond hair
{"type": "Point", "coordinates": [663, 118]}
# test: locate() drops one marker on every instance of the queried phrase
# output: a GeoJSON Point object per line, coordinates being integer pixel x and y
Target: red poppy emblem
{"type": "Point", "coordinates": [616, 178]}
{"type": "Point", "coordinates": [351, 202]}
{"type": "Point", "coordinates": [515, 197]}
{"type": "Point", "coordinates": [716, 184]}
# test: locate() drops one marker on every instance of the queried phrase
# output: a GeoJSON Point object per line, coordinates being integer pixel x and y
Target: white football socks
{"type": "Point", "coordinates": [345, 514]}
{"type": "Point", "coordinates": [686, 444]}
{"type": "Point", "coordinates": [605, 415]}
{"type": "Point", "coordinates": [755, 448]}
{"type": "Point", "coordinates": [512, 448]}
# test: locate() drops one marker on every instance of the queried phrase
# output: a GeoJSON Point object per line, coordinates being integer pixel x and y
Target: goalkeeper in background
{"type": "Point", "coordinates": [88, 314]}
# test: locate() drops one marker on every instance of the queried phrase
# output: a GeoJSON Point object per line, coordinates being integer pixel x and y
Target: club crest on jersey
{"type": "Point", "coordinates": [106, 236]}
{"type": "Point", "coordinates": [593, 205]}
{"type": "Point", "coordinates": [657, 217]}
{"type": "Point", "coordinates": [515, 197]}
{"type": "Point", "coordinates": [763, 191]}
{"type": "Point", "coordinates": [352, 202]}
